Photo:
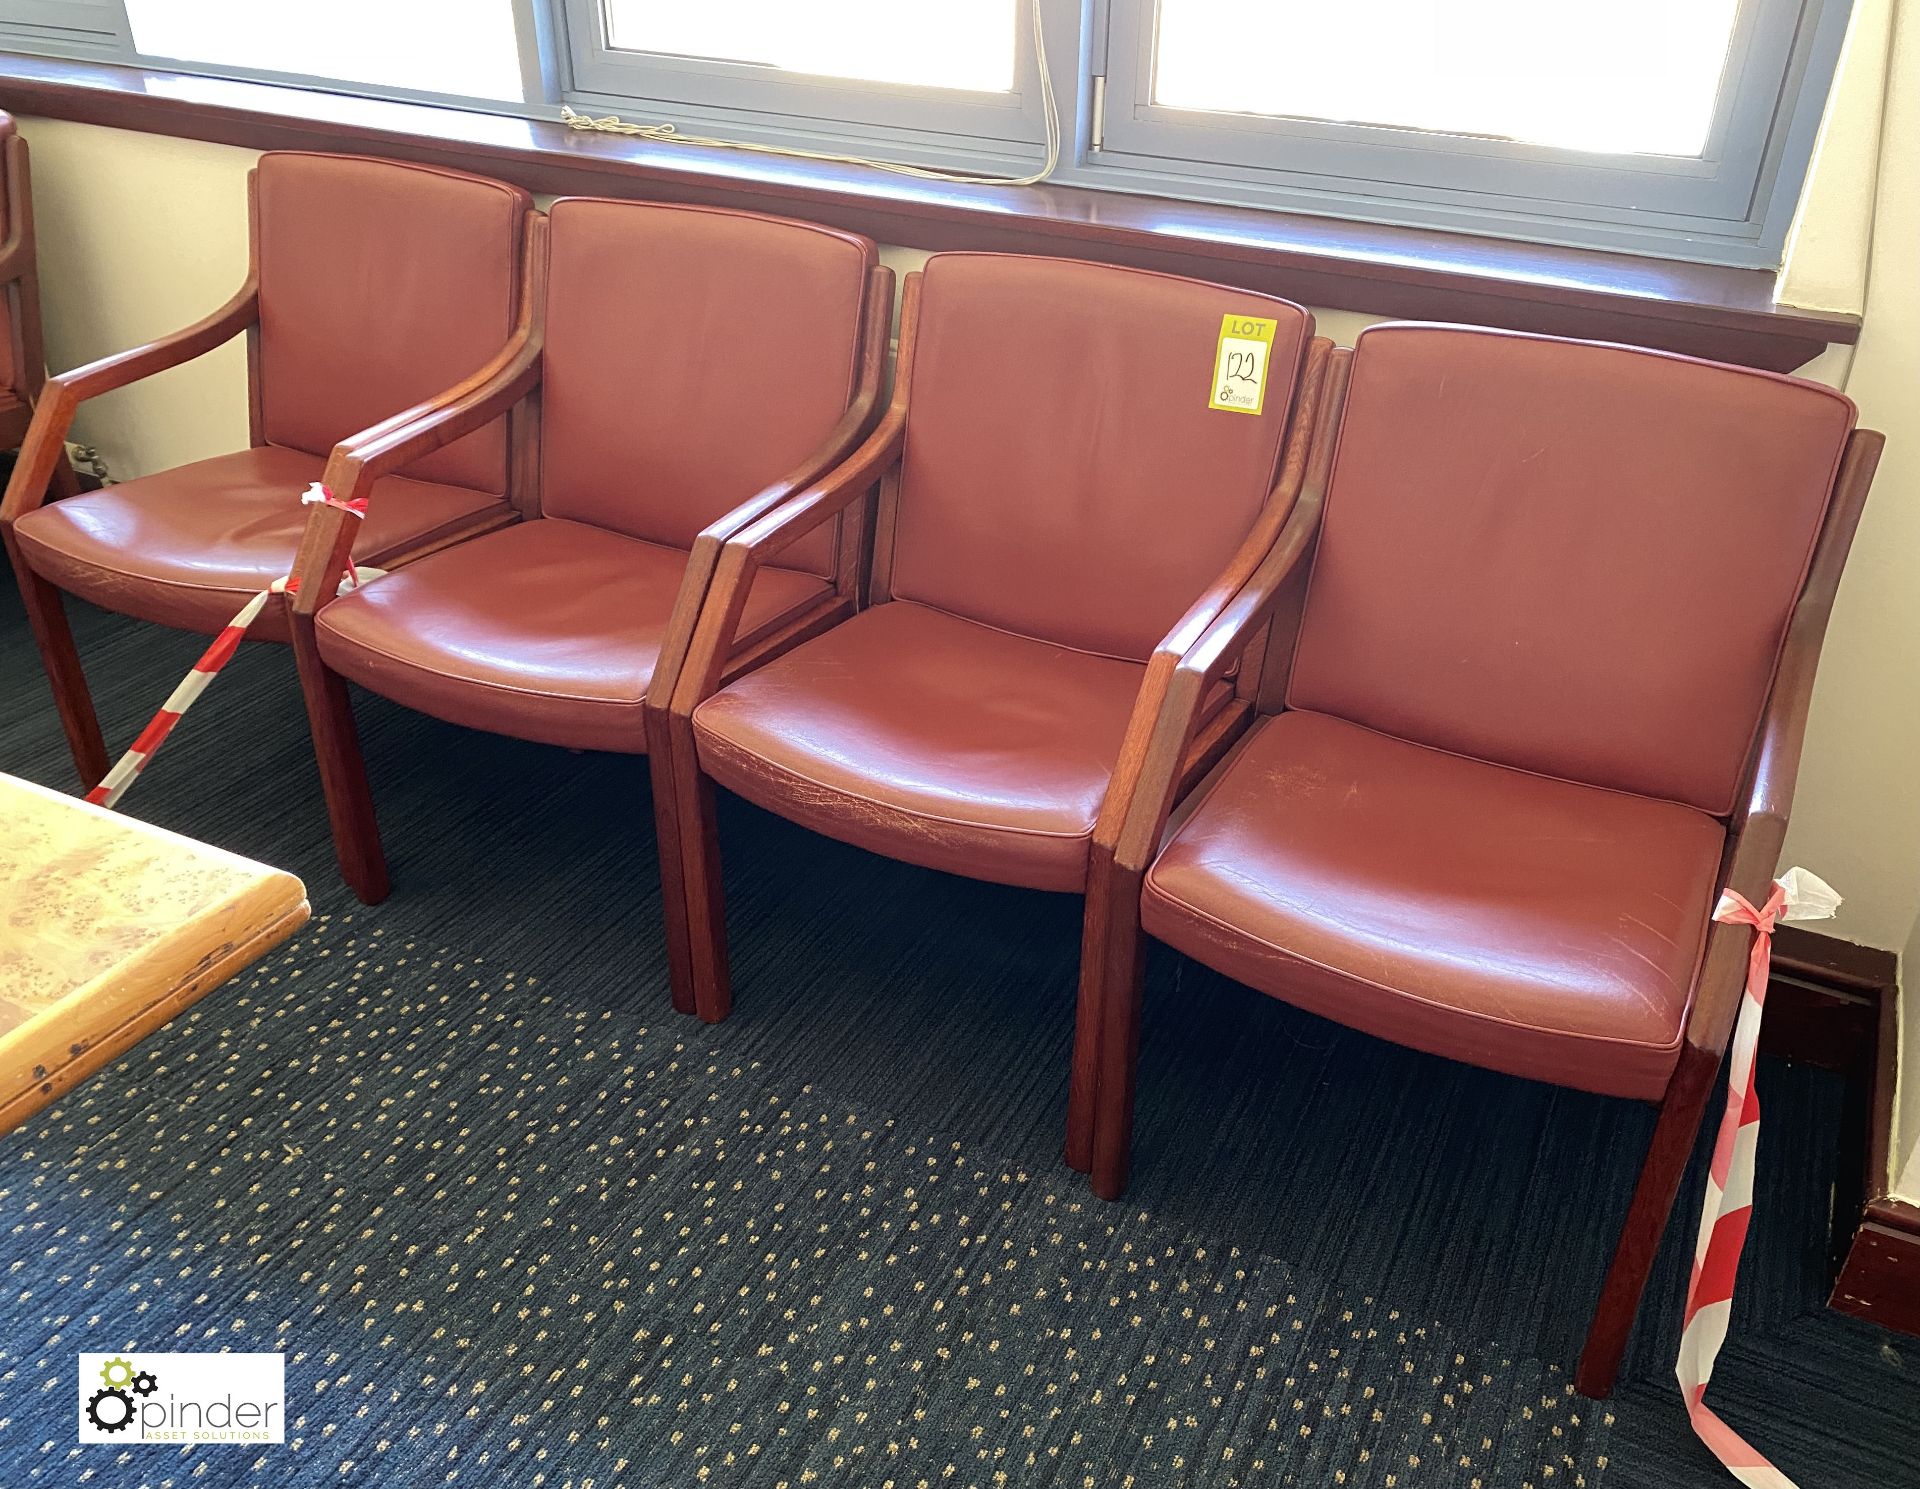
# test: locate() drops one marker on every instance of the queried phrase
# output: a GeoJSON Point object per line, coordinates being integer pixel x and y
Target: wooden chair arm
{"type": "Point", "coordinates": [739, 559]}
{"type": "Point", "coordinates": [717, 625]}
{"type": "Point", "coordinates": [841, 487]}
{"type": "Point", "coordinates": [1758, 830]}
{"type": "Point", "coordinates": [17, 251]}
{"type": "Point", "coordinates": [1279, 506]}
{"type": "Point", "coordinates": [515, 369]}
{"type": "Point", "coordinates": [703, 561]}
{"type": "Point", "coordinates": [862, 414]}
{"type": "Point", "coordinates": [44, 446]}
{"type": "Point", "coordinates": [436, 423]}
{"type": "Point", "coordinates": [1183, 671]}
{"type": "Point", "coordinates": [826, 498]}
{"type": "Point", "coordinates": [60, 399]}
{"type": "Point", "coordinates": [123, 368]}
{"type": "Point", "coordinates": [1204, 611]}
{"type": "Point", "coordinates": [1756, 837]}
{"type": "Point", "coordinates": [326, 543]}
{"type": "Point", "coordinates": [362, 459]}
{"type": "Point", "coordinates": [16, 256]}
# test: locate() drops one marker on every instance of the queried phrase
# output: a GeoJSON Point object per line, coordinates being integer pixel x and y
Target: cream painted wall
{"type": "Point", "coordinates": [139, 235]}
{"type": "Point", "coordinates": [142, 234]}
{"type": "Point", "coordinates": [1826, 258]}
{"type": "Point", "coordinates": [1863, 732]}
{"type": "Point", "coordinates": [1856, 817]}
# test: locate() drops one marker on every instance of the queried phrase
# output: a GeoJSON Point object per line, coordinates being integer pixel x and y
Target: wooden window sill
{"type": "Point", "coordinates": [1704, 310]}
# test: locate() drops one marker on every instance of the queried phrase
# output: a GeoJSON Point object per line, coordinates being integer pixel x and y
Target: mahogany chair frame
{"type": "Point", "coordinates": [511, 384]}
{"type": "Point", "coordinates": [43, 458]}
{"type": "Point", "coordinates": [1270, 605]}
{"type": "Point", "coordinates": [684, 794]}
{"type": "Point", "coordinates": [20, 280]}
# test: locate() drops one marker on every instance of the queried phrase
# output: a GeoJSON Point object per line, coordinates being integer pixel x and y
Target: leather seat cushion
{"type": "Point", "coordinates": [189, 546]}
{"type": "Point", "coordinates": [1516, 922]}
{"type": "Point", "coordinates": [547, 630]}
{"type": "Point", "coordinates": [931, 739]}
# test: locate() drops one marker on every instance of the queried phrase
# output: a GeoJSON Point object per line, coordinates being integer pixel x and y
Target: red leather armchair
{"type": "Point", "coordinates": [1061, 515]}
{"type": "Point", "coordinates": [373, 285]}
{"type": "Point", "coordinates": [23, 357]}
{"type": "Point", "coordinates": [1537, 697]}
{"type": "Point", "coordinates": [691, 370]}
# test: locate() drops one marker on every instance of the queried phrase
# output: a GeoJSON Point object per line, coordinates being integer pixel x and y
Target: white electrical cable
{"type": "Point", "coordinates": [670, 135]}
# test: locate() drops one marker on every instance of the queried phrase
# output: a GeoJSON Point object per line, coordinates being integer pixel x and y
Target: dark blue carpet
{"type": "Point", "coordinates": [514, 1221]}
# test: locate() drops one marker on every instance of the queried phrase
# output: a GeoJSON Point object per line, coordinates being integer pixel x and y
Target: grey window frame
{"type": "Point", "coordinates": [1733, 204]}
{"type": "Point", "coordinates": [942, 127]}
{"type": "Point", "coordinates": [93, 29]}
{"type": "Point", "coordinates": [110, 39]}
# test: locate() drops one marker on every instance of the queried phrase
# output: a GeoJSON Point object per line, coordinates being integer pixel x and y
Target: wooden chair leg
{"type": "Point", "coordinates": [1084, 1081]}
{"type": "Point", "coordinates": [673, 890]}
{"type": "Point", "coordinates": [66, 482]}
{"type": "Point", "coordinates": [1118, 991]}
{"type": "Point", "coordinates": [343, 770]}
{"type": "Point", "coordinates": [47, 614]}
{"type": "Point", "coordinates": [1112, 919]}
{"type": "Point", "coordinates": [690, 871]}
{"type": "Point", "coordinates": [1681, 1111]}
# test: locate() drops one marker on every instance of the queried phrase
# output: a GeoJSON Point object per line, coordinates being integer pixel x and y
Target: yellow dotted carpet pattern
{"type": "Point", "coordinates": [502, 1241]}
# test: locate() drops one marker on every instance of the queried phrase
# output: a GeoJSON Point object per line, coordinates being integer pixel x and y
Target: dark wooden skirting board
{"type": "Point", "coordinates": [1703, 310]}
{"type": "Point", "coordinates": [1834, 1004]}
{"type": "Point", "coordinates": [1881, 1278]}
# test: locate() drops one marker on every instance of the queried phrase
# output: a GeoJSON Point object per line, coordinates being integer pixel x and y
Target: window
{"type": "Point", "coordinates": [1636, 76]}
{"type": "Point", "coordinates": [66, 28]}
{"type": "Point", "coordinates": [967, 45]}
{"type": "Point", "coordinates": [1661, 125]}
{"type": "Point", "coordinates": [460, 48]}
{"type": "Point", "coordinates": [1673, 127]}
{"type": "Point", "coordinates": [948, 83]}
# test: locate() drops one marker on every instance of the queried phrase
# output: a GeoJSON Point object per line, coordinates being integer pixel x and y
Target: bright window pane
{"type": "Point", "coordinates": [952, 44]}
{"type": "Point", "coordinates": [1629, 76]}
{"type": "Point", "coordinates": [462, 47]}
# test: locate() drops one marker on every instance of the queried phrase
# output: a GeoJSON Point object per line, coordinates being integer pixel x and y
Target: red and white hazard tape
{"type": "Point", "coordinates": [113, 785]}
{"type": "Point", "coordinates": [1797, 895]}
